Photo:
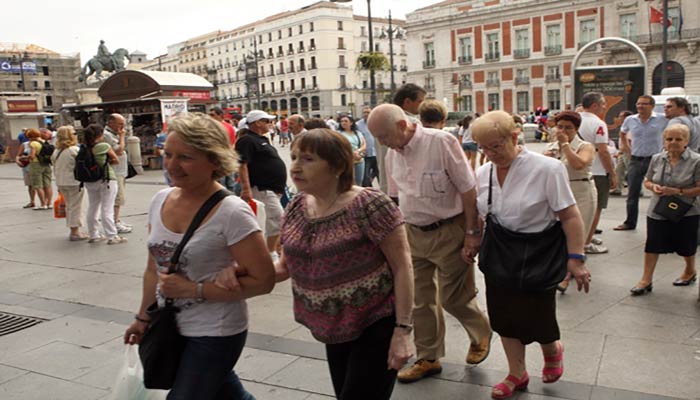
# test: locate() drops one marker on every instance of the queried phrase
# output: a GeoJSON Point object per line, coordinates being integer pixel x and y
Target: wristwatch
{"type": "Point", "coordinates": [576, 256]}
{"type": "Point", "coordinates": [408, 328]}
{"type": "Point", "coordinates": [200, 293]}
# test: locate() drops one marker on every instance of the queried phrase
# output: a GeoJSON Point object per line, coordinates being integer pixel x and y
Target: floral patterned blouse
{"type": "Point", "coordinates": [341, 280]}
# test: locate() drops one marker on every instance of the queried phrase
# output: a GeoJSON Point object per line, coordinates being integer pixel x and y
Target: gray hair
{"type": "Point", "coordinates": [591, 98]}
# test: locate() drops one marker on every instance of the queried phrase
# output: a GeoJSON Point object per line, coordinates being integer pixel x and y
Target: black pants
{"type": "Point", "coordinates": [371, 171]}
{"type": "Point", "coordinates": [359, 368]}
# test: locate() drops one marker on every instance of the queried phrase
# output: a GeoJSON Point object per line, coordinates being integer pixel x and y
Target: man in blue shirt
{"type": "Point", "coordinates": [22, 138]}
{"type": "Point", "coordinates": [642, 136]}
{"type": "Point", "coordinates": [371, 168]}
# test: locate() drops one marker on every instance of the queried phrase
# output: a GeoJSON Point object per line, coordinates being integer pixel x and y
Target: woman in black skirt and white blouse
{"type": "Point", "coordinates": [525, 193]}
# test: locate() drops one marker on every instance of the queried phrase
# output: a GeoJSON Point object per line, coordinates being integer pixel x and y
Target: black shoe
{"type": "Point", "coordinates": [638, 291]}
{"type": "Point", "coordinates": [685, 282]}
{"type": "Point", "coordinates": [598, 231]}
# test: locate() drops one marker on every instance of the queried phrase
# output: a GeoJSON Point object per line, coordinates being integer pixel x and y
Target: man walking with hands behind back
{"type": "Point", "coordinates": [426, 169]}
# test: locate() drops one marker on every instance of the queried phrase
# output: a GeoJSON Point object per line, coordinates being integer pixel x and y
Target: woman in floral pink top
{"type": "Point", "coordinates": [345, 249]}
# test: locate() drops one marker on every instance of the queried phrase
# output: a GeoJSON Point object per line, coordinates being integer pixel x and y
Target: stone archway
{"type": "Point", "coordinates": [675, 77]}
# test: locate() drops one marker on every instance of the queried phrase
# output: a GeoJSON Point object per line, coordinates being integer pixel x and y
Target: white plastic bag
{"type": "Point", "coordinates": [129, 383]}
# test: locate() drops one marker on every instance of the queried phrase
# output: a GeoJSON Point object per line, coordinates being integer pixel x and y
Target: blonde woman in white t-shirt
{"type": "Point", "coordinates": [63, 160]}
{"type": "Point", "coordinates": [212, 320]}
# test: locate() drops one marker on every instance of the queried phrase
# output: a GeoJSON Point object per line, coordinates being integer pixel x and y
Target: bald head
{"type": "Point", "coordinates": [390, 126]}
{"type": "Point", "coordinates": [115, 122]}
{"type": "Point", "coordinates": [296, 123]}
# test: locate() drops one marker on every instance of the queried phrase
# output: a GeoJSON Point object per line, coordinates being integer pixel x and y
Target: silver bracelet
{"type": "Point", "coordinates": [200, 293]}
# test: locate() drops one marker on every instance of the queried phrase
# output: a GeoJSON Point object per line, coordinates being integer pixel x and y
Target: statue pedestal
{"type": "Point", "coordinates": [88, 95]}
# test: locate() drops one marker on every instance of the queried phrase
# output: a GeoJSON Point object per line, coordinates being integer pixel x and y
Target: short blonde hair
{"type": "Point", "coordinates": [65, 137]}
{"type": "Point", "coordinates": [493, 124]}
{"type": "Point", "coordinates": [680, 128]}
{"type": "Point", "coordinates": [207, 135]}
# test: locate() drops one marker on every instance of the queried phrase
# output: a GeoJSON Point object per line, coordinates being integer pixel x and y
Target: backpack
{"type": "Point", "coordinates": [45, 153]}
{"type": "Point", "coordinates": [86, 168]}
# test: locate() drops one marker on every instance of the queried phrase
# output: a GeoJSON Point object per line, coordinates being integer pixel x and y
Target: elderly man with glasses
{"type": "Point", "coordinates": [263, 174]}
{"type": "Point", "coordinates": [644, 130]}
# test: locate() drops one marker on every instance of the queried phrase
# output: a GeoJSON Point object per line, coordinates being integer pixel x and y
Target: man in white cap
{"type": "Point", "coordinates": [262, 173]}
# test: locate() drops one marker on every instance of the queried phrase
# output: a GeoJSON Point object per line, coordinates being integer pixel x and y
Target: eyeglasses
{"type": "Point", "coordinates": [496, 147]}
{"type": "Point", "coordinates": [667, 106]}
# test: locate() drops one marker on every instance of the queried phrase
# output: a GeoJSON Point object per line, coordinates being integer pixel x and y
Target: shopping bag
{"type": "Point", "coordinates": [129, 383]}
{"type": "Point", "coordinates": [59, 206]}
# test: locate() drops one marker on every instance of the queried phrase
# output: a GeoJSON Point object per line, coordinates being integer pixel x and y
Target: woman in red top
{"type": "Point", "coordinates": [346, 250]}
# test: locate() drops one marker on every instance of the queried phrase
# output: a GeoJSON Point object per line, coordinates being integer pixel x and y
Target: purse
{"type": "Point", "coordinates": [161, 346]}
{"type": "Point", "coordinates": [524, 261]}
{"type": "Point", "coordinates": [673, 208]}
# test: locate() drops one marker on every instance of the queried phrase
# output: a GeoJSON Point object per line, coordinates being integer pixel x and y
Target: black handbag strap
{"type": "Point", "coordinates": [211, 202]}
{"type": "Point", "coordinates": [490, 182]}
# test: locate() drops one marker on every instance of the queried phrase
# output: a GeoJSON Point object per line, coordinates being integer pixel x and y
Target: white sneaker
{"type": "Point", "coordinates": [594, 249]}
{"type": "Point", "coordinates": [96, 239]}
{"type": "Point", "coordinates": [123, 228]}
{"type": "Point", "coordinates": [117, 240]}
{"type": "Point", "coordinates": [597, 241]}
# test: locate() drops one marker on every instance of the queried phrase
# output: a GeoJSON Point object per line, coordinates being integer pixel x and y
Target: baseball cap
{"type": "Point", "coordinates": [257, 115]}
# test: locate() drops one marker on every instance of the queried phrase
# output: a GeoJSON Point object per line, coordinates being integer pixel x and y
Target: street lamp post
{"type": "Point", "coordinates": [391, 32]}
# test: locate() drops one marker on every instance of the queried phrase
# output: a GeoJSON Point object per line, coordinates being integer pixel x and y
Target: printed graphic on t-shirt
{"type": "Point", "coordinates": [162, 253]}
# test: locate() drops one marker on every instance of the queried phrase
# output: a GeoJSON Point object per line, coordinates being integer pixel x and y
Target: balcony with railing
{"type": "Point", "coordinates": [493, 82]}
{"type": "Point", "coordinates": [404, 68]}
{"type": "Point", "coordinates": [463, 60]}
{"type": "Point", "coordinates": [429, 86]}
{"type": "Point", "coordinates": [549, 78]}
{"type": "Point", "coordinates": [429, 64]}
{"type": "Point", "coordinates": [522, 80]}
{"type": "Point", "coordinates": [492, 56]}
{"type": "Point", "coordinates": [280, 54]}
{"type": "Point", "coordinates": [302, 68]}
{"type": "Point", "coordinates": [313, 66]}
{"type": "Point", "coordinates": [553, 50]}
{"type": "Point", "coordinates": [290, 52]}
{"type": "Point", "coordinates": [521, 53]}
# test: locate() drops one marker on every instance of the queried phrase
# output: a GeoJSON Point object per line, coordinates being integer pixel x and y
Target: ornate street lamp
{"type": "Point", "coordinates": [372, 82]}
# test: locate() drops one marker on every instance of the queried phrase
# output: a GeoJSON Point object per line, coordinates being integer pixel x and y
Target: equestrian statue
{"type": "Point", "coordinates": [104, 61]}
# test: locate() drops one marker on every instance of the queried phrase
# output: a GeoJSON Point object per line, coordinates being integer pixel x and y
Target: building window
{"type": "Point", "coordinates": [262, 88]}
{"type": "Point", "coordinates": [311, 26]}
{"type": "Point", "coordinates": [45, 70]}
{"type": "Point", "coordinates": [301, 29]}
{"type": "Point", "coordinates": [523, 99]}
{"type": "Point", "coordinates": [493, 46]}
{"type": "Point", "coordinates": [303, 82]}
{"type": "Point", "coordinates": [429, 51]}
{"type": "Point", "coordinates": [281, 86]}
{"type": "Point", "coordinates": [272, 87]}
{"type": "Point", "coordinates": [341, 61]}
{"type": "Point", "coordinates": [465, 50]}
{"type": "Point", "coordinates": [343, 83]}
{"type": "Point", "coordinates": [289, 32]}
{"type": "Point", "coordinates": [429, 83]}
{"type": "Point", "coordinates": [301, 45]}
{"type": "Point", "coordinates": [47, 84]}
{"type": "Point", "coordinates": [494, 102]}
{"type": "Point", "coordinates": [674, 14]}
{"type": "Point", "coordinates": [343, 100]}
{"type": "Point", "coordinates": [341, 43]}
{"type": "Point", "coordinates": [279, 34]}
{"type": "Point", "coordinates": [340, 25]}
{"type": "Point", "coordinates": [49, 101]}
{"type": "Point", "coordinates": [377, 47]}
{"type": "Point", "coordinates": [314, 84]}
{"type": "Point", "coordinates": [522, 43]}
{"type": "Point", "coordinates": [363, 47]}
{"type": "Point", "coordinates": [269, 38]}
{"type": "Point", "coordinates": [587, 31]}
{"type": "Point", "coordinates": [291, 65]}
{"type": "Point", "coordinates": [628, 25]}
{"type": "Point", "coordinates": [363, 31]}
{"type": "Point", "coordinates": [553, 99]}
{"type": "Point", "coordinates": [553, 72]}
{"type": "Point", "coordinates": [313, 62]}
{"type": "Point", "coordinates": [260, 39]}
{"type": "Point", "coordinates": [468, 105]}
{"type": "Point", "coordinates": [302, 66]}
{"type": "Point", "coordinates": [291, 84]}
{"type": "Point", "coordinates": [312, 44]}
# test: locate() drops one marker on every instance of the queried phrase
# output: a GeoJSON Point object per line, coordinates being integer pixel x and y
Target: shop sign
{"type": "Point", "coordinates": [172, 108]}
{"type": "Point", "coordinates": [19, 106]}
{"type": "Point", "coordinates": [193, 94]}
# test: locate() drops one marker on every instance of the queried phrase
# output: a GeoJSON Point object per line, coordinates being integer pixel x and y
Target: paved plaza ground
{"type": "Point", "coordinates": [617, 346]}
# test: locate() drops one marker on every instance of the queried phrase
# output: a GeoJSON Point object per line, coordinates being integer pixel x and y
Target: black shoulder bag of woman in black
{"type": "Point", "coordinates": [673, 208]}
{"type": "Point", "coordinates": [525, 261]}
{"type": "Point", "coordinates": [161, 346]}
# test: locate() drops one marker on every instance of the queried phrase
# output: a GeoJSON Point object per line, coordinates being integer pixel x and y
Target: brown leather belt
{"type": "Point", "coordinates": [437, 224]}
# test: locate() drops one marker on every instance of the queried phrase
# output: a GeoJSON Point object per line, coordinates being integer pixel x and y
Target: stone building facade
{"type": "Point", "coordinates": [54, 76]}
{"type": "Point", "coordinates": [516, 55]}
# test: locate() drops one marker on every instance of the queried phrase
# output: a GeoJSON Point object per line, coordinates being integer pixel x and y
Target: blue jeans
{"type": "Point", "coordinates": [206, 369]}
{"type": "Point", "coordinates": [635, 176]}
{"type": "Point", "coordinates": [359, 172]}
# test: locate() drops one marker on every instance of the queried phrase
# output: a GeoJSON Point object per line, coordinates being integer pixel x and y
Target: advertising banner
{"type": "Point", "coordinates": [13, 67]}
{"type": "Point", "coordinates": [620, 85]}
{"type": "Point", "coordinates": [193, 94]}
{"type": "Point", "coordinates": [172, 108]}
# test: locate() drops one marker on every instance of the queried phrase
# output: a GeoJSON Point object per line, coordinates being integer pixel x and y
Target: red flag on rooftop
{"type": "Point", "coordinates": [656, 17]}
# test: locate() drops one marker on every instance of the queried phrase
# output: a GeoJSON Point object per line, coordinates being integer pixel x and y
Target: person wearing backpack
{"type": "Point", "coordinates": [63, 161]}
{"type": "Point", "coordinates": [39, 169]}
{"type": "Point", "coordinates": [103, 192]}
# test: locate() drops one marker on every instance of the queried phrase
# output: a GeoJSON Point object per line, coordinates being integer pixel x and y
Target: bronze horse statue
{"type": "Point", "coordinates": [96, 65]}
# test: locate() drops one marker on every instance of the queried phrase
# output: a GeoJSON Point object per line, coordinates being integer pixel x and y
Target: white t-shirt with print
{"type": "Point", "coordinates": [595, 131]}
{"type": "Point", "coordinates": [203, 257]}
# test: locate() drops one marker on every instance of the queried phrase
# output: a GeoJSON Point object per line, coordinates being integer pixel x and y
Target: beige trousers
{"type": "Point", "coordinates": [443, 280]}
{"type": "Point", "coordinates": [74, 205]}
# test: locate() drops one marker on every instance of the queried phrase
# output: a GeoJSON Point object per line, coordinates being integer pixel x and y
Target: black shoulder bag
{"type": "Point", "coordinates": [524, 261]}
{"type": "Point", "coordinates": [162, 345]}
{"type": "Point", "coordinates": [673, 208]}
